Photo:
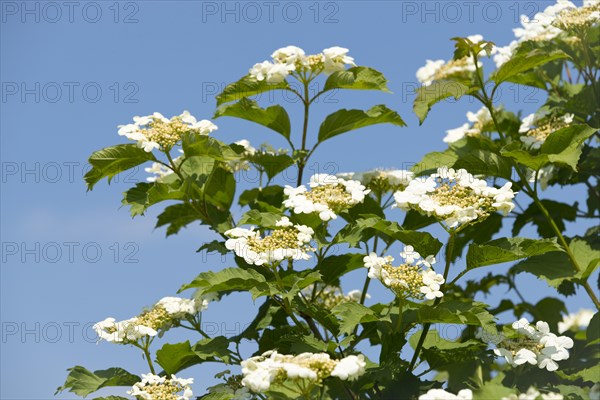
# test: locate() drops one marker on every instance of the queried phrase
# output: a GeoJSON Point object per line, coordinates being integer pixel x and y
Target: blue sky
{"type": "Point", "coordinates": [72, 72]}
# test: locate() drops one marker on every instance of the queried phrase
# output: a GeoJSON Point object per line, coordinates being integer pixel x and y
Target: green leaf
{"type": "Point", "coordinates": [562, 147]}
{"type": "Point", "coordinates": [213, 349]}
{"type": "Point", "coordinates": [333, 267]}
{"type": "Point", "coordinates": [214, 246]}
{"type": "Point", "coordinates": [247, 86]}
{"type": "Point", "coordinates": [144, 195]}
{"type": "Point", "coordinates": [554, 267]}
{"type": "Point", "coordinates": [428, 96]}
{"type": "Point", "coordinates": [274, 117]}
{"type": "Point", "coordinates": [587, 257]}
{"type": "Point", "coordinates": [480, 156]}
{"type": "Point", "coordinates": [111, 398]}
{"type": "Point", "coordinates": [522, 62]}
{"type": "Point", "coordinates": [593, 329]}
{"type": "Point", "coordinates": [218, 395]}
{"type": "Point", "coordinates": [347, 120]}
{"type": "Point", "coordinates": [423, 242]}
{"type": "Point", "coordinates": [227, 280]}
{"type": "Point", "coordinates": [560, 211]}
{"type": "Point", "coordinates": [271, 195]}
{"type": "Point", "coordinates": [82, 382]}
{"type": "Point", "coordinates": [434, 160]}
{"type": "Point", "coordinates": [271, 164]}
{"type": "Point", "coordinates": [110, 161]}
{"type": "Point", "coordinates": [458, 312]}
{"type": "Point", "coordinates": [351, 314]}
{"type": "Point", "coordinates": [219, 189]}
{"type": "Point", "coordinates": [209, 147]}
{"type": "Point", "coordinates": [480, 232]}
{"type": "Point", "coordinates": [176, 357]}
{"type": "Point", "coordinates": [176, 217]}
{"type": "Point", "coordinates": [507, 249]}
{"type": "Point", "coordinates": [440, 353]}
{"type": "Point", "coordinates": [357, 78]}
{"type": "Point", "coordinates": [262, 219]}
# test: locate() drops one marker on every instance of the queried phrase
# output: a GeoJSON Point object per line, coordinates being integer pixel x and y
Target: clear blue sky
{"type": "Point", "coordinates": [72, 72]}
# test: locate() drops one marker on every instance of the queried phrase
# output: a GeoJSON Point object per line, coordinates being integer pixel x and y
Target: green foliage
{"type": "Point", "coordinates": [357, 78]}
{"type": "Point", "coordinates": [247, 87]}
{"type": "Point", "coordinates": [83, 382]}
{"type": "Point", "coordinates": [108, 162]}
{"type": "Point", "coordinates": [347, 120]}
{"type": "Point", "coordinates": [275, 117]}
{"type": "Point", "coordinates": [428, 96]}
{"type": "Point", "coordinates": [524, 61]}
{"type": "Point", "coordinates": [507, 249]}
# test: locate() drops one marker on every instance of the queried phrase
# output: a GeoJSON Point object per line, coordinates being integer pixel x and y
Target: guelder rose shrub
{"type": "Point", "coordinates": [308, 336]}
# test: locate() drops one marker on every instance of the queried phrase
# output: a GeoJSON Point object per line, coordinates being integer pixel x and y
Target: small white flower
{"type": "Point", "coordinates": [260, 70]}
{"type": "Point", "coordinates": [336, 59]}
{"type": "Point", "coordinates": [409, 254]}
{"type": "Point", "coordinates": [350, 368]}
{"type": "Point", "coordinates": [288, 55]}
{"type": "Point", "coordinates": [432, 291]}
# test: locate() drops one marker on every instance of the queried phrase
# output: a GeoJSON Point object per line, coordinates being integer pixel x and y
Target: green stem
{"type": "Point", "coordinates": [286, 303]}
{"type": "Point", "coordinates": [302, 162]}
{"type": "Point", "coordinates": [449, 251]}
{"type": "Point", "coordinates": [146, 352]}
{"type": "Point", "coordinates": [398, 327]}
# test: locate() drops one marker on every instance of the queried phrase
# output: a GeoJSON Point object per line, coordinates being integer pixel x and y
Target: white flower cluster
{"type": "Point", "coordinates": [126, 331]}
{"type": "Point", "coordinates": [408, 279]}
{"type": "Point", "coordinates": [286, 241]}
{"type": "Point", "coordinates": [380, 180]}
{"type": "Point", "coordinates": [535, 345]}
{"type": "Point", "coordinates": [440, 69]}
{"type": "Point", "coordinates": [535, 129]}
{"type": "Point", "coordinates": [161, 316]}
{"type": "Point", "coordinates": [157, 132]}
{"type": "Point", "coordinates": [580, 319]}
{"type": "Point", "coordinates": [154, 387]}
{"type": "Point", "coordinates": [271, 367]}
{"type": "Point", "coordinates": [455, 197]}
{"type": "Point", "coordinates": [329, 195]}
{"type": "Point", "coordinates": [293, 59]}
{"type": "Point", "coordinates": [474, 127]}
{"type": "Point", "coordinates": [441, 394]}
{"type": "Point", "coordinates": [331, 296]}
{"type": "Point", "coordinates": [533, 394]}
{"type": "Point", "coordinates": [548, 24]}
